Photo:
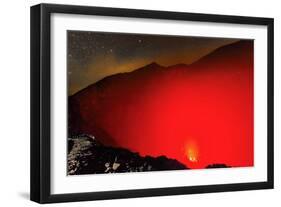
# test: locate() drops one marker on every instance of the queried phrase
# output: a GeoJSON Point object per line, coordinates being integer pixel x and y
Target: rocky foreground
{"type": "Point", "coordinates": [88, 156]}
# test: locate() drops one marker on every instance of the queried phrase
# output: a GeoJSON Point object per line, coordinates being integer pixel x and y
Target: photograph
{"type": "Point", "coordinates": [149, 102]}
{"type": "Point", "coordinates": [129, 103]}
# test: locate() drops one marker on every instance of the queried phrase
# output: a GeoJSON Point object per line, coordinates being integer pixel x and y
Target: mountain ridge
{"type": "Point", "coordinates": [156, 66]}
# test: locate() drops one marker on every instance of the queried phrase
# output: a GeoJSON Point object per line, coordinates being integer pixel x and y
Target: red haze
{"type": "Point", "coordinates": [199, 114]}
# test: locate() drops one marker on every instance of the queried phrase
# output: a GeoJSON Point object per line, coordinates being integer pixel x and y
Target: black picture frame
{"type": "Point", "coordinates": [41, 95]}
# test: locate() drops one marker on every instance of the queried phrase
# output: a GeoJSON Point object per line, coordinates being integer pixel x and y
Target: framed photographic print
{"type": "Point", "coordinates": [132, 103]}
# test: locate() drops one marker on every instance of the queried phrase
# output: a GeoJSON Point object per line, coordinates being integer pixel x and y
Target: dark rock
{"type": "Point", "coordinates": [218, 165]}
{"type": "Point", "coordinates": [87, 156]}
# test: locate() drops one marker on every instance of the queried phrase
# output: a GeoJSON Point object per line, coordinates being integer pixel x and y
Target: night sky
{"type": "Point", "coordinates": [92, 56]}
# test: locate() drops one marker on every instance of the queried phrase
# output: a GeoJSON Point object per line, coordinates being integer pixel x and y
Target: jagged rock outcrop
{"type": "Point", "coordinates": [88, 156]}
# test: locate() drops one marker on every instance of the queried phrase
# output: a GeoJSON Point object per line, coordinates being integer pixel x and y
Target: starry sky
{"type": "Point", "coordinates": [91, 56]}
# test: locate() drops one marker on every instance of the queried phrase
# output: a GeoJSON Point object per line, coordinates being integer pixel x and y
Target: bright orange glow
{"type": "Point", "coordinates": [191, 151]}
{"type": "Point", "coordinates": [192, 155]}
